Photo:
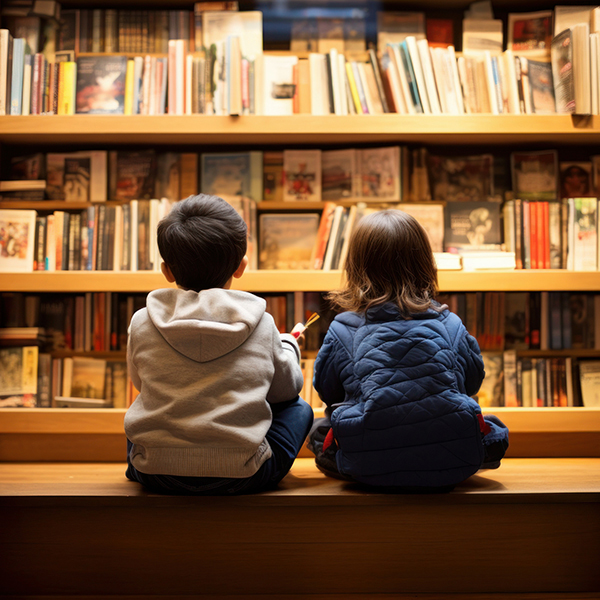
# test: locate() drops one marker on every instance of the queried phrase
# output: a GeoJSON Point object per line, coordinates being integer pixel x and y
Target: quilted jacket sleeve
{"type": "Point", "coordinates": [330, 362]}
{"type": "Point", "coordinates": [469, 358]}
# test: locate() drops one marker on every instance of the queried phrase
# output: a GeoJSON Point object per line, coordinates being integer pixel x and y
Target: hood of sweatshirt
{"type": "Point", "coordinates": [204, 325]}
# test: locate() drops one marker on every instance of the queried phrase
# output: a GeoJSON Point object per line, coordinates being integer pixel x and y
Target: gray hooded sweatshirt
{"type": "Point", "coordinates": [207, 365]}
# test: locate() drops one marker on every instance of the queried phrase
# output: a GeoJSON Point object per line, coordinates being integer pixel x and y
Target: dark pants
{"type": "Point", "coordinates": [291, 424]}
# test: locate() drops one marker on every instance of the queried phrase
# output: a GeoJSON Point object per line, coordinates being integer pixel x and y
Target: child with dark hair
{"type": "Point", "coordinates": [397, 371]}
{"type": "Point", "coordinates": [218, 411]}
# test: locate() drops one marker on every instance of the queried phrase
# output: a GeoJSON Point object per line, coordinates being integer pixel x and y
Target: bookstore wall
{"type": "Point", "coordinates": [481, 120]}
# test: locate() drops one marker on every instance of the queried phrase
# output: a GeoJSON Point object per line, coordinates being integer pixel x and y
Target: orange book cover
{"type": "Point", "coordinates": [323, 235]}
{"type": "Point", "coordinates": [533, 234]}
{"type": "Point", "coordinates": [546, 235]}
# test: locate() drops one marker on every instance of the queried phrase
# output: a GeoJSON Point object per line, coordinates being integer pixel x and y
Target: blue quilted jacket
{"type": "Point", "coordinates": [398, 394]}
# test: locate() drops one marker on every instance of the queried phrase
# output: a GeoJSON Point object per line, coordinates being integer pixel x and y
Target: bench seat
{"type": "Point", "coordinates": [530, 529]}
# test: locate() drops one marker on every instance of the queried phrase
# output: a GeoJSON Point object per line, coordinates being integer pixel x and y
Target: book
{"type": "Point", "coordinates": [535, 174]}
{"type": "Point", "coordinates": [530, 34]}
{"type": "Point", "coordinates": [491, 392]}
{"type": "Point", "coordinates": [18, 376]}
{"type": "Point", "coordinates": [576, 180]}
{"type": "Point", "coordinates": [379, 172]}
{"type": "Point", "coordinates": [302, 175]}
{"type": "Point", "coordinates": [77, 179]}
{"type": "Point", "coordinates": [542, 87]}
{"type": "Point", "coordinates": [589, 378]}
{"type": "Point", "coordinates": [461, 178]}
{"type": "Point", "coordinates": [101, 85]}
{"type": "Point", "coordinates": [287, 240]}
{"type": "Point", "coordinates": [87, 378]}
{"type": "Point", "coordinates": [431, 217]}
{"type": "Point", "coordinates": [232, 174]}
{"type": "Point", "coordinates": [393, 27]}
{"type": "Point", "coordinates": [339, 174]}
{"type": "Point", "coordinates": [17, 240]}
{"type": "Point", "coordinates": [279, 87]}
{"type": "Point", "coordinates": [132, 174]}
{"type": "Point", "coordinates": [472, 224]}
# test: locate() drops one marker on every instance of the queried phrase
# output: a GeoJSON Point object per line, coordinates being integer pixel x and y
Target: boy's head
{"type": "Point", "coordinates": [202, 241]}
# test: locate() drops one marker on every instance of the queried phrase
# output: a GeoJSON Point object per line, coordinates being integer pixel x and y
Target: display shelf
{"type": "Point", "coordinates": [302, 281]}
{"type": "Point", "coordinates": [300, 129]}
{"type": "Point", "coordinates": [49, 434]}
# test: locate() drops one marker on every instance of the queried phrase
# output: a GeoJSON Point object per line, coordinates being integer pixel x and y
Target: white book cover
{"type": "Point", "coordinates": [5, 39]}
{"type": "Point", "coordinates": [430, 82]}
{"type": "Point", "coordinates": [27, 72]}
{"type": "Point", "coordinates": [508, 59]}
{"type": "Point", "coordinates": [390, 68]}
{"type": "Point", "coordinates": [566, 17]}
{"type": "Point", "coordinates": [302, 175]}
{"type": "Point", "coordinates": [415, 58]}
{"type": "Point", "coordinates": [278, 84]}
{"type": "Point", "coordinates": [342, 79]}
{"type": "Point", "coordinates": [589, 376]}
{"type": "Point", "coordinates": [318, 100]}
{"type": "Point", "coordinates": [333, 236]}
{"type": "Point", "coordinates": [491, 83]}
{"type": "Point", "coordinates": [451, 57]}
{"type": "Point", "coordinates": [17, 239]}
{"type": "Point", "coordinates": [379, 173]}
{"type": "Point", "coordinates": [189, 60]}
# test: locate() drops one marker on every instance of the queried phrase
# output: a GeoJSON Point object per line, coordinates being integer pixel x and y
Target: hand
{"type": "Point", "coordinates": [298, 331]}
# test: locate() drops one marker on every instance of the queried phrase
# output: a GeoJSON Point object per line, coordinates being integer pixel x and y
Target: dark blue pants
{"type": "Point", "coordinates": [291, 423]}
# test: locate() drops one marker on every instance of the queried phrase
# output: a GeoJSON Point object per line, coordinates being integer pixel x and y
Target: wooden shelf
{"type": "Point", "coordinates": [303, 281]}
{"type": "Point", "coordinates": [59, 434]}
{"type": "Point", "coordinates": [300, 129]}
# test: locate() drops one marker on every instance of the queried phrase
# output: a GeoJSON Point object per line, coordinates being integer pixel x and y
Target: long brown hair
{"type": "Point", "coordinates": [389, 260]}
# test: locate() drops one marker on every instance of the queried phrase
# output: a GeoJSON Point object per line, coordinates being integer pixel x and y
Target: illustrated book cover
{"type": "Point", "coordinates": [101, 85]}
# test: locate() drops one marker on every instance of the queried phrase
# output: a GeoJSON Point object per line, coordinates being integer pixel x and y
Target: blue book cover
{"type": "Point", "coordinates": [410, 76]}
{"type": "Point", "coordinates": [16, 88]}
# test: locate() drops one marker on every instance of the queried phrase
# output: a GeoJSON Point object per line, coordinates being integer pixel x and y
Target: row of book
{"type": "Point", "coordinates": [553, 235]}
{"type": "Point", "coordinates": [381, 174]}
{"type": "Point", "coordinates": [529, 320]}
{"type": "Point", "coordinates": [98, 321]}
{"type": "Point", "coordinates": [30, 378]}
{"type": "Point", "coordinates": [515, 381]}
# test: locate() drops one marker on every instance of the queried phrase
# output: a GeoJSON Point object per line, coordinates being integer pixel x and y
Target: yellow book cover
{"type": "Point", "coordinates": [60, 106]}
{"type": "Point", "coordinates": [353, 89]}
{"type": "Point", "coordinates": [69, 76]}
{"type": "Point", "coordinates": [129, 88]}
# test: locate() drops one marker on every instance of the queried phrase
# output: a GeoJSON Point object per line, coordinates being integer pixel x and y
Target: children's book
{"type": "Point", "coordinates": [339, 174]}
{"type": "Point", "coordinates": [18, 376]}
{"type": "Point", "coordinates": [287, 240]}
{"type": "Point", "coordinates": [302, 175]}
{"type": "Point", "coordinates": [379, 173]}
{"type": "Point", "coordinates": [17, 240]}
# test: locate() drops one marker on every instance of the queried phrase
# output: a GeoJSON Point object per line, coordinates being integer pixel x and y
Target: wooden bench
{"type": "Point", "coordinates": [530, 529]}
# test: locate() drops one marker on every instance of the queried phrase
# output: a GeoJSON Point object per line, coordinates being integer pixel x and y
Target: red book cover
{"type": "Point", "coordinates": [323, 234]}
{"type": "Point", "coordinates": [296, 97]}
{"type": "Point", "coordinates": [533, 234]}
{"type": "Point", "coordinates": [546, 235]}
{"type": "Point", "coordinates": [542, 228]}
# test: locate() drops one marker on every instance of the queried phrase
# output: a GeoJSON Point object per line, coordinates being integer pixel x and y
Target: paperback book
{"type": "Point", "coordinates": [101, 85]}
{"type": "Point", "coordinates": [461, 178]}
{"type": "Point", "coordinates": [302, 175]}
{"type": "Point", "coordinates": [18, 376]}
{"type": "Point", "coordinates": [17, 240]}
{"type": "Point", "coordinates": [472, 225]}
{"type": "Point", "coordinates": [535, 174]}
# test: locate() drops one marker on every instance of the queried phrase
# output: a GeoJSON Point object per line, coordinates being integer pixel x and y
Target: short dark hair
{"type": "Point", "coordinates": [389, 260]}
{"type": "Point", "coordinates": [203, 241]}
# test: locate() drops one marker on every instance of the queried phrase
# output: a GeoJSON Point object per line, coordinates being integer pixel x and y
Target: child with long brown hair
{"type": "Point", "coordinates": [397, 371]}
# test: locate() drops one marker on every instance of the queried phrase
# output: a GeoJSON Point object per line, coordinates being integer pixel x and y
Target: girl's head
{"type": "Point", "coordinates": [389, 260]}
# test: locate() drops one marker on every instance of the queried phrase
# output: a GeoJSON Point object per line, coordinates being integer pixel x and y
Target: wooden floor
{"type": "Point", "coordinates": [529, 530]}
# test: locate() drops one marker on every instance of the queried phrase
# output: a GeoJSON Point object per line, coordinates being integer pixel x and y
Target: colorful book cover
{"type": "Point", "coordinates": [302, 175]}
{"type": "Point", "coordinates": [101, 85]}
{"type": "Point", "coordinates": [472, 225]}
{"type": "Point", "coordinates": [17, 240]}
{"type": "Point", "coordinates": [287, 240]}
{"type": "Point", "coordinates": [562, 72]}
{"type": "Point", "coordinates": [491, 392]}
{"type": "Point", "coordinates": [18, 376]}
{"type": "Point", "coordinates": [461, 178]}
{"type": "Point", "coordinates": [530, 34]}
{"type": "Point", "coordinates": [535, 174]}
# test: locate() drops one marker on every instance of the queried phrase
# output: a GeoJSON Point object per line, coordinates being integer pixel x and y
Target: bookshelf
{"type": "Point", "coordinates": [97, 434]}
